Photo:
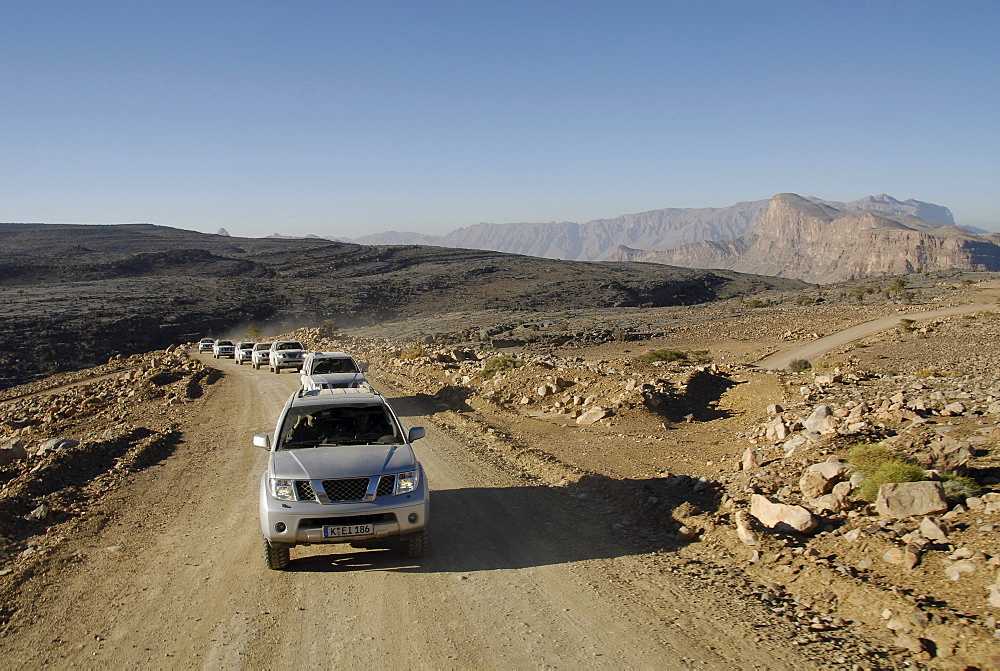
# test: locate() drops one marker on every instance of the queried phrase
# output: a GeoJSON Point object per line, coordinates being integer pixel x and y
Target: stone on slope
{"type": "Point", "coordinates": [906, 499]}
{"type": "Point", "coordinates": [781, 516]}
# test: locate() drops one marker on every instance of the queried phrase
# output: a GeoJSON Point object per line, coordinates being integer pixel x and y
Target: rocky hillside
{"type": "Point", "coordinates": [813, 241]}
{"type": "Point", "coordinates": [653, 230]}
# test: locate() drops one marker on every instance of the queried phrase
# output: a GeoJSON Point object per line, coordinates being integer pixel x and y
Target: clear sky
{"type": "Point", "coordinates": [346, 118]}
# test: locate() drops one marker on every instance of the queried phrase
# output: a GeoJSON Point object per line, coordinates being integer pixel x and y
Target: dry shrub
{"type": "Point", "coordinates": [414, 352]}
{"type": "Point", "coordinates": [499, 363]}
{"type": "Point", "coordinates": [799, 365]}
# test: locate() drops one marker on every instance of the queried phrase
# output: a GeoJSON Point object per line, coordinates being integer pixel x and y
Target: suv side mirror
{"type": "Point", "coordinates": [262, 440]}
{"type": "Point", "coordinates": [416, 433]}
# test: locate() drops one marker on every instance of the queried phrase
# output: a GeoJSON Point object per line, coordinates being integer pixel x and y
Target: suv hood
{"type": "Point", "coordinates": [349, 461]}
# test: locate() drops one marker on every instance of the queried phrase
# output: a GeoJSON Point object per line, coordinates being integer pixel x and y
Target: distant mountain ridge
{"type": "Point", "coordinates": [653, 230]}
{"type": "Point", "coordinates": [812, 240]}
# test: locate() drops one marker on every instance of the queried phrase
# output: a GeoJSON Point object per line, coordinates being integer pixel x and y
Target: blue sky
{"type": "Point", "coordinates": [346, 118]}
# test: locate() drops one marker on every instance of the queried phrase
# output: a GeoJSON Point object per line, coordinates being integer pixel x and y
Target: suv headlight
{"type": "Point", "coordinates": [407, 482]}
{"type": "Point", "coordinates": [283, 490]}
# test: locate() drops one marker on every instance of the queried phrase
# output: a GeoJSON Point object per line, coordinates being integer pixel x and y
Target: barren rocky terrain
{"type": "Point", "coordinates": [594, 505]}
{"type": "Point", "coordinates": [72, 296]}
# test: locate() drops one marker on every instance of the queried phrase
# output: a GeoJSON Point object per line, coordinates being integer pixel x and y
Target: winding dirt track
{"type": "Point", "coordinates": [781, 360]}
{"type": "Point", "coordinates": [517, 576]}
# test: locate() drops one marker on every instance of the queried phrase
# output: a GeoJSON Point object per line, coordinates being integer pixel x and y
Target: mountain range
{"type": "Point", "coordinates": [653, 230]}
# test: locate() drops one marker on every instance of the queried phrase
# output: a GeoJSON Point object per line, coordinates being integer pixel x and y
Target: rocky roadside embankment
{"type": "Point", "coordinates": [66, 440]}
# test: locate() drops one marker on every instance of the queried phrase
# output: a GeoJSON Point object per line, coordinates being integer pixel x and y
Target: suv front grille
{"type": "Point", "coordinates": [305, 490]}
{"type": "Point", "coordinates": [352, 489]}
{"type": "Point", "coordinates": [348, 489]}
{"type": "Point", "coordinates": [386, 485]}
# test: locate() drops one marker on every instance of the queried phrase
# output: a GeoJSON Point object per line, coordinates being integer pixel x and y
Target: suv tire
{"type": "Point", "coordinates": [256, 366]}
{"type": "Point", "coordinates": [275, 557]}
{"type": "Point", "coordinates": [415, 546]}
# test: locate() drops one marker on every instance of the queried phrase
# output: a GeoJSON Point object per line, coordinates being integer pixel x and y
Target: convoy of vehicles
{"type": "Point", "coordinates": [341, 467]}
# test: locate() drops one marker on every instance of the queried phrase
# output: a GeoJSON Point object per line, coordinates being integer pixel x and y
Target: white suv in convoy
{"type": "Point", "coordinates": [331, 370]}
{"type": "Point", "coordinates": [224, 348]}
{"type": "Point", "coordinates": [259, 355]}
{"type": "Point", "coordinates": [341, 470]}
{"type": "Point", "coordinates": [206, 345]}
{"type": "Point", "coordinates": [243, 351]}
{"type": "Point", "coordinates": [285, 354]}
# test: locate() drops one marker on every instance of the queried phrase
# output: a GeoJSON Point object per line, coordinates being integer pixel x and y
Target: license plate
{"type": "Point", "coordinates": [349, 530]}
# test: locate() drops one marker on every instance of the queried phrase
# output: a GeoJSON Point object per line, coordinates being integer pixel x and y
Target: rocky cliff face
{"type": "Point", "coordinates": [813, 241]}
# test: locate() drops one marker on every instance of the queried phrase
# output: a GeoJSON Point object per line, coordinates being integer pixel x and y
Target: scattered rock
{"type": "Point", "coordinates": [780, 516]}
{"type": "Point", "coordinates": [591, 416]}
{"type": "Point", "coordinates": [904, 557]}
{"type": "Point", "coordinates": [906, 499]}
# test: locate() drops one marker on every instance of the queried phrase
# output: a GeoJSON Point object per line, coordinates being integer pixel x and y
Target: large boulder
{"type": "Point", "coordinates": [906, 499]}
{"type": "Point", "coordinates": [781, 516]}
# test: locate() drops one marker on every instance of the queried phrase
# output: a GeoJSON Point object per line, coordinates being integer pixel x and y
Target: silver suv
{"type": "Point", "coordinates": [285, 354]}
{"type": "Point", "coordinates": [259, 355]}
{"type": "Point", "coordinates": [223, 348]}
{"type": "Point", "coordinates": [330, 370]}
{"type": "Point", "coordinates": [341, 470]}
{"type": "Point", "coordinates": [244, 350]}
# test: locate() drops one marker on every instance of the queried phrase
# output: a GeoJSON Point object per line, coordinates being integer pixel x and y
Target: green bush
{"type": "Point", "coordinates": [499, 363]}
{"type": "Point", "coordinates": [799, 365]}
{"type": "Point", "coordinates": [880, 465]}
{"type": "Point", "coordinates": [894, 470]}
{"type": "Point", "coordinates": [866, 457]}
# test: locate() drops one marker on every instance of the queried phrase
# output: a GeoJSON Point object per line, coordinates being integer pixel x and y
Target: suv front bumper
{"type": "Point", "coordinates": [304, 520]}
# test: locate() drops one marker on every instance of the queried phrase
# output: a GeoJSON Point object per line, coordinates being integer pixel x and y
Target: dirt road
{"type": "Point", "coordinates": [781, 360]}
{"type": "Point", "coordinates": [168, 574]}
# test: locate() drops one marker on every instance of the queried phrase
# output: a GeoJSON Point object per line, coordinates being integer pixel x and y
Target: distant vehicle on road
{"type": "Point", "coordinates": [224, 348]}
{"type": "Point", "coordinates": [244, 350]}
{"type": "Point", "coordinates": [206, 344]}
{"type": "Point", "coordinates": [331, 370]}
{"type": "Point", "coordinates": [259, 355]}
{"type": "Point", "coordinates": [341, 470]}
{"type": "Point", "coordinates": [285, 354]}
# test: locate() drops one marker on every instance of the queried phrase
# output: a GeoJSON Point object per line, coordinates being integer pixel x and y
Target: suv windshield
{"type": "Point", "coordinates": [246, 345]}
{"type": "Point", "coordinates": [329, 366]}
{"type": "Point", "coordinates": [338, 425]}
{"type": "Point", "coordinates": [262, 345]}
{"type": "Point", "coordinates": [228, 343]}
{"type": "Point", "coordinates": [288, 345]}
